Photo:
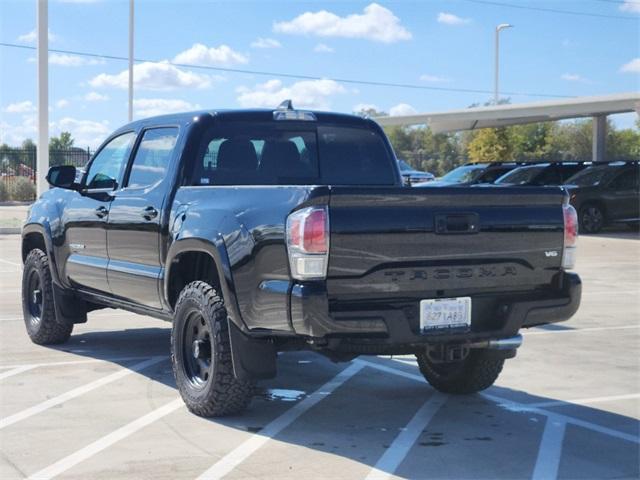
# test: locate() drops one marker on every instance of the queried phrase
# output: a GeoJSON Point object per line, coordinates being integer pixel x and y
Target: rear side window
{"type": "Point", "coordinates": [153, 157]}
{"type": "Point", "coordinates": [250, 153]}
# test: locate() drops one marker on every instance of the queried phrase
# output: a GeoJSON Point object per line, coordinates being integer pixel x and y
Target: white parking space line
{"type": "Point", "coordinates": [76, 392]}
{"type": "Point", "coordinates": [238, 455]}
{"type": "Point", "coordinates": [520, 407]}
{"type": "Point", "coordinates": [580, 330]}
{"type": "Point", "coordinates": [584, 401]}
{"type": "Point", "coordinates": [16, 369]}
{"type": "Point", "coordinates": [550, 450]}
{"type": "Point", "coordinates": [105, 442]}
{"type": "Point", "coordinates": [11, 319]}
{"type": "Point", "coordinates": [398, 450]}
{"type": "Point", "coordinates": [13, 264]}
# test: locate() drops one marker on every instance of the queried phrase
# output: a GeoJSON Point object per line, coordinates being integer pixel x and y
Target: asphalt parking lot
{"type": "Point", "coordinates": [104, 405]}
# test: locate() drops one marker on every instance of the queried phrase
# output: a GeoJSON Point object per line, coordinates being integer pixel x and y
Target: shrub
{"type": "Point", "coordinates": [4, 192]}
{"type": "Point", "coordinates": [23, 190]}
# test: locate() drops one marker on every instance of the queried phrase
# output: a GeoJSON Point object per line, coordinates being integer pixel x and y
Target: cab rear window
{"type": "Point", "coordinates": [249, 153]}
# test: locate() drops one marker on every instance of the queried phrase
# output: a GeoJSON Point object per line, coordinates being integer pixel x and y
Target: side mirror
{"type": "Point", "coordinates": [62, 176]}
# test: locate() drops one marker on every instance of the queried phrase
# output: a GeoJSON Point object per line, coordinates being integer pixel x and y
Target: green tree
{"type": "Point", "coordinates": [490, 145]}
{"type": "Point", "coordinates": [59, 148]}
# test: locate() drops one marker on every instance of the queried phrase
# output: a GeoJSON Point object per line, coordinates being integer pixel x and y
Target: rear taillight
{"type": "Point", "coordinates": [570, 236]}
{"type": "Point", "coordinates": [307, 236]}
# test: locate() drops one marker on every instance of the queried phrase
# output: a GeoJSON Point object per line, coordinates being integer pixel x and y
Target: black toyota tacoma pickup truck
{"type": "Point", "coordinates": [259, 231]}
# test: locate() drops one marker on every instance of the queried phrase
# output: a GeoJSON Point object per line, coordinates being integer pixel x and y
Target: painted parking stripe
{"type": "Point", "coordinates": [13, 264]}
{"type": "Point", "coordinates": [398, 450]}
{"type": "Point", "coordinates": [238, 455]}
{"type": "Point", "coordinates": [76, 392]}
{"type": "Point", "coordinates": [105, 442]}
{"type": "Point", "coordinates": [584, 401]}
{"type": "Point", "coordinates": [550, 450]}
{"type": "Point", "coordinates": [519, 407]}
{"type": "Point", "coordinates": [17, 369]}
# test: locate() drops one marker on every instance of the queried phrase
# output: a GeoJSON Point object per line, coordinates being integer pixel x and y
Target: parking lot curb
{"type": "Point", "coordinates": [10, 230]}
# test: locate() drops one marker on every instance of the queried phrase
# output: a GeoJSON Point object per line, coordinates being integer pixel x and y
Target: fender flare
{"type": "Point", "coordinates": [44, 230]}
{"type": "Point", "coordinates": [218, 251]}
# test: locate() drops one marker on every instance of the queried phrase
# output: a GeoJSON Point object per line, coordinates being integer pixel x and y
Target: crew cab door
{"type": "Point", "coordinates": [133, 233]}
{"type": "Point", "coordinates": [85, 216]}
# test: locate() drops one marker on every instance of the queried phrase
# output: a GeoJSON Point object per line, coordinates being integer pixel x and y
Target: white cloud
{"type": "Point", "coordinates": [631, 67]}
{"type": "Point", "coordinates": [86, 133]}
{"type": "Point", "coordinates": [304, 94]}
{"type": "Point", "coordinates": [402, 109]}
{"type": "Point", "coordinates": [265, 43]}
{"type": "Point", "coordinates": [150, 107]}
{"type": "Point", "coordinates": [95, 97]}
{"type": "Point", "coordinates": [31, 37]}
{"type": "Point", "coordinates": [62, 103]}
{"type": "Point", "coordinates": [632, 6]}
{"type": "Point", "coordinates": [433, 78]}
{"type": "Point", "coordinates": [377, 23]}
{"type": "Point", "coordinates": [451, 19]}
{"type": "Point", "coordinates": [153, 76]}
{"type": "Point", "coordinates": [20, 107]}
{"type": "Point", "coordinates": [200, 54]}
{"type": "Point", "coordinates": [65, 60]}
{"type": "Point", "coordinates": [573, 77]}
{"type": "Point", "coordinates": [322, 48]}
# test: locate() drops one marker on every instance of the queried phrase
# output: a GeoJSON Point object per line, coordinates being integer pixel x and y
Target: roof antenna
{"type": "Point", "coordinates": [286, 105]}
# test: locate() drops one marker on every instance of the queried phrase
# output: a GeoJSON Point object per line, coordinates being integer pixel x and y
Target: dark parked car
{"type": "Point", "coordinates": [541, 174]}
{"type": "Point", "coordinates": [473, 174]}
{"type": "Point", "coordinates": [261, 231]}
{"type": "Point", "coordinates": [413, 176]}
{"type": "Point", "coordinates": [604, 194]}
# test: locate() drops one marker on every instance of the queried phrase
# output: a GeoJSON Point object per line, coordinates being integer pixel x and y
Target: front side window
{"type": "Point", "coordinates": [106, 166]}
{"type": "Point", "coordinates": [153, 156]}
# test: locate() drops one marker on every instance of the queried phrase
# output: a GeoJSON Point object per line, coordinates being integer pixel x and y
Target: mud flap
{"type": "Point", "coordinates": [253, 359]}
{"type": "Point", "coordinates": [69, 308]}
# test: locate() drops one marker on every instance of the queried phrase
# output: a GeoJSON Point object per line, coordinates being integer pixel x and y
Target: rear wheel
{"type": "Point", "coordinates": [479, 370]}
{"type": "Point", "coordinates": [201, 354]}
{"type": "Point", "coordinates": [591, 218]}
{"type": "Point", "coordinates": [38, 308]}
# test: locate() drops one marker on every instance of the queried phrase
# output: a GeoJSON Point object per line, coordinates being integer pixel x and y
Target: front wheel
{"type": "Point", "coordinates": [38, 308]}
{"type": "Point", "coordinates": [475, 373]}
{"type": "Point", "coordinates": [201, 354]}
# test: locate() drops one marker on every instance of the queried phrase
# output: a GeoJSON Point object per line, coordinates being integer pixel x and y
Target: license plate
{"type": "Point", "coordinates": [440, 313]}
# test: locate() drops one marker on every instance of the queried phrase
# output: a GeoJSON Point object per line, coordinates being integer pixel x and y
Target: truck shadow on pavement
{"type": "Point", "coordinates": [501, 433]}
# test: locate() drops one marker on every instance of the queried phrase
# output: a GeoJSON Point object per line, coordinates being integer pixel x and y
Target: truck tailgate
{"type": "Point", "coordinates": [421, 243]}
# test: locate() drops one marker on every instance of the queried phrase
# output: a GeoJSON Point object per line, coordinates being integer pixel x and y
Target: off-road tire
{"type": "Point", "coordinates": [221, 393]}
{"type": "Point", "coordinates": [42, 325]}
{"type": "Point", "coordinates": [475, 373]}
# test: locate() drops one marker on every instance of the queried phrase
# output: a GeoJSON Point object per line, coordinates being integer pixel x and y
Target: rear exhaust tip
{"type": "Point", "coordinates": [510, 343]}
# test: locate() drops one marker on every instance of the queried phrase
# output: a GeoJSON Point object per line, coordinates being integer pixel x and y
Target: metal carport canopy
{"type": "Point", "coordinates": [516, 114]}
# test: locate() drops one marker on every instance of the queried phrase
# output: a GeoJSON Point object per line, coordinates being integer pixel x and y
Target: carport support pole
{"type": "Point", "coordinates": [42, 153]}
{"type": "Point", "coordinates": [130, 60]}
{"type": "Point", "coordinates": [599, 138]}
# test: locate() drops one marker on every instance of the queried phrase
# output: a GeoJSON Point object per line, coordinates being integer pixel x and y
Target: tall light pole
{"type": "Point", "coordinates": [42, 152]}
{"type": "Point", "coordinates": [130, 60]}
{"type": "Point", "coordinates": [496, 94]}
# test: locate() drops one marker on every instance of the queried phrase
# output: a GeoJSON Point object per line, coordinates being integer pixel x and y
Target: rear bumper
{"type": "Point", "coordinates": [493, 315]}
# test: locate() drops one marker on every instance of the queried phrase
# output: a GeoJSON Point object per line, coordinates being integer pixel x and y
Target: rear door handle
{"type": "Point", "coordinates": [101, 212]}
{"type": "Point", "coordinates": [149, 213]}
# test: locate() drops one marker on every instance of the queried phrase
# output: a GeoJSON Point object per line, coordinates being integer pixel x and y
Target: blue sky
{"type": "Point", "coordinates": [444, 44]}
